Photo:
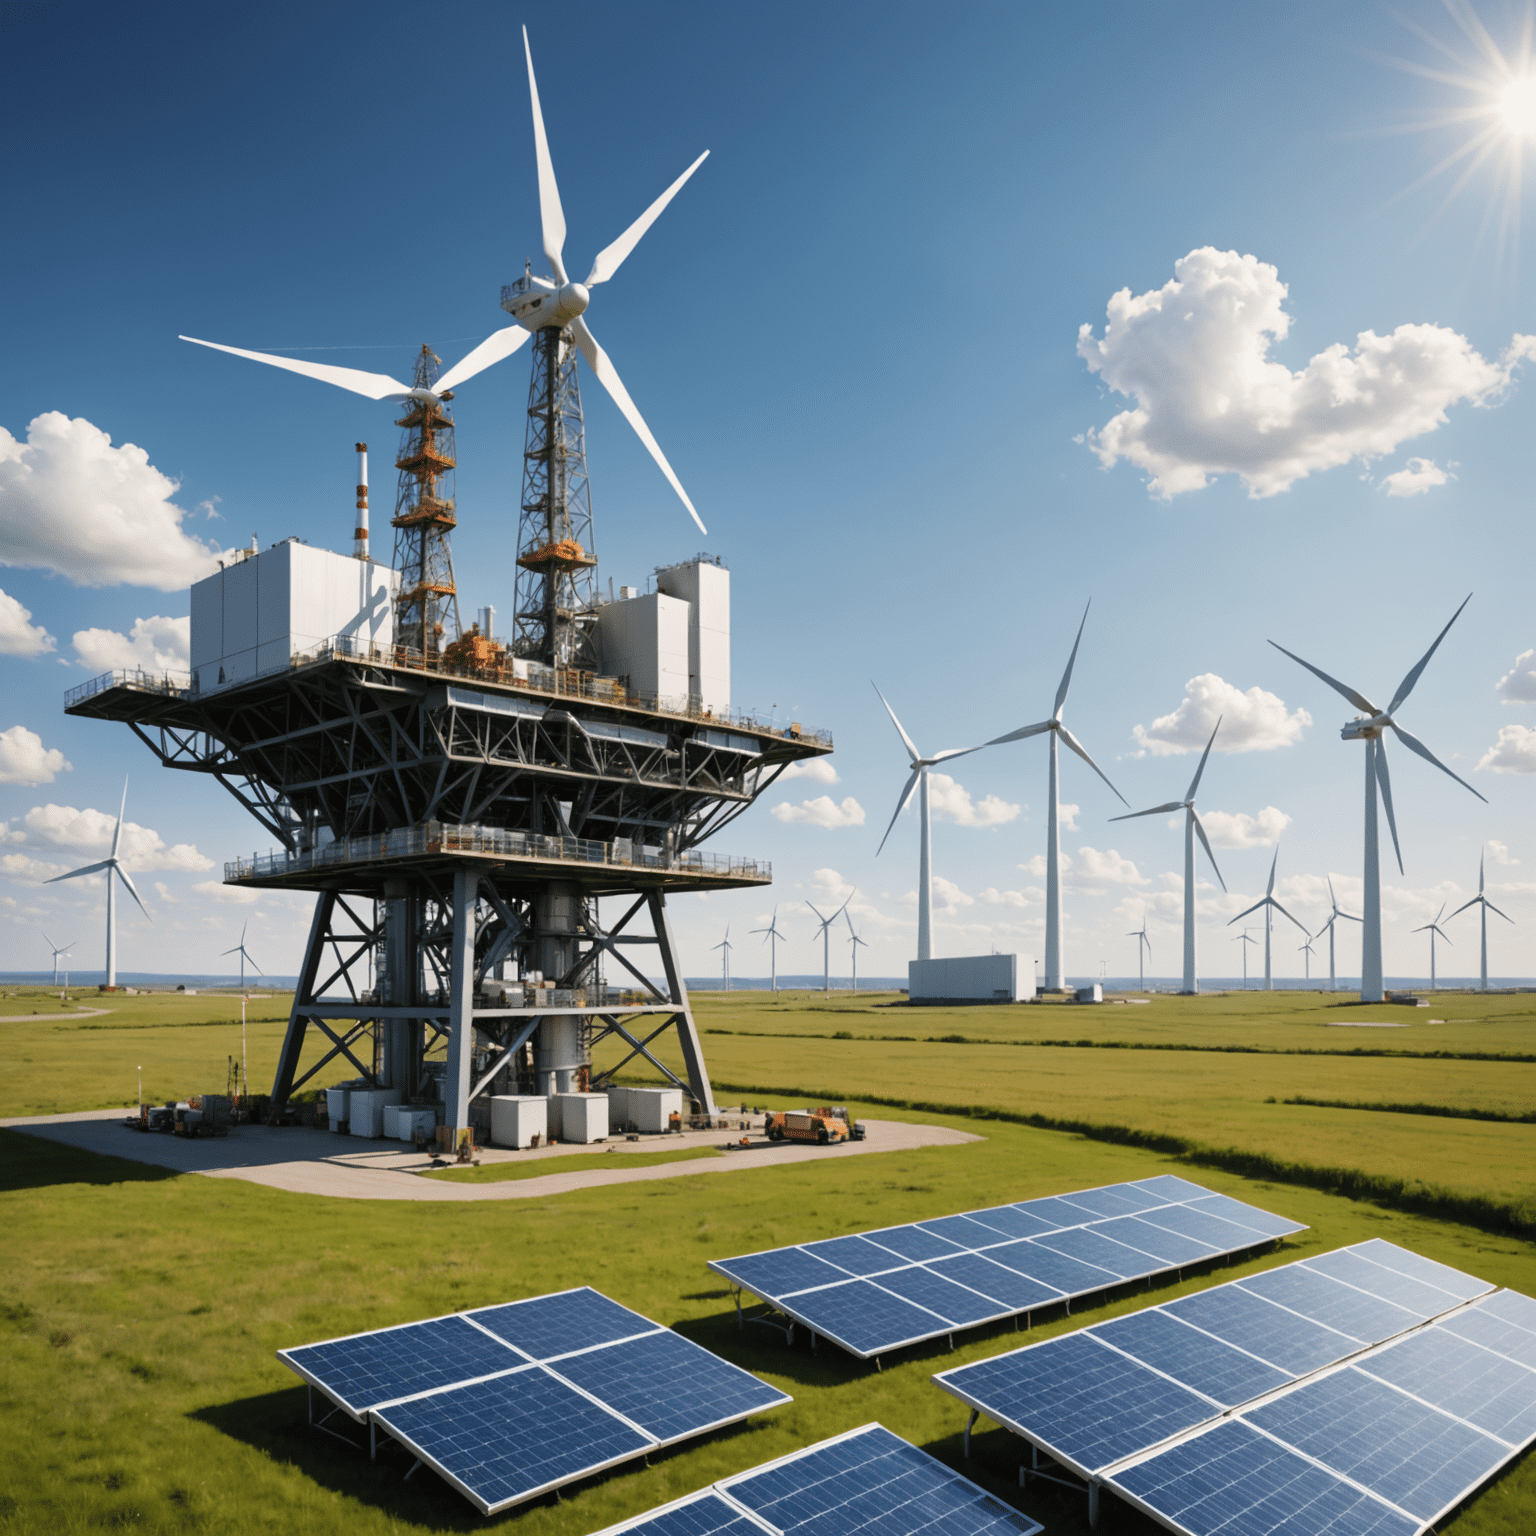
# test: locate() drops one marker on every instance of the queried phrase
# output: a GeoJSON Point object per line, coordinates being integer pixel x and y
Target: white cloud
{"type": "Point", "coordinates": [1254, 721]}
{"type": "Point", "coordinates": [102, 516]}
{"type": "Point", "coordinates": [999, 898]}
{"type": "Point", "coordinates": [1109, 867]}
{"type": "Point", "coordinates": [818, 770]}
{"type": "Point", "coordinates": [89, 832]}
{"type": "Point", "coordinates": [18, 635]}
{"type": "Point", "coordinates": [1036, 866]}
{"type": "Point", "coordinates": [157, 644]}
{"type": "Point", "coordinates": [1228, 830]}
{"type": "Point", "coordinates": [1499, 852]}
{"type": "Point", "coordinates": [1513, 752]}
{"type": "Point", "coordinates": [1194, 356]}
{"type": "Point", "coordinates": [1518, 685]}
{"type": "Point", "coordinates": [23, 867]}
{"type": "Point", "coordinates": [1068, 815]}
{"type": "Point", "coordinates": [216, 890]}
{"type": "Point", "coordinates": [823, 811]}
{"type": "Point", "coordinates": [951, 801]}
{"type": "Point", "coordinates": [1421, 475]}
{"type": "Point", "coordinates": [25, 760]}
{"type": "Point", "coordinates": [948, 897]}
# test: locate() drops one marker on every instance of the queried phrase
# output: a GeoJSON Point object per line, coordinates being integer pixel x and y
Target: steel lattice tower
{"type": "Point", "coordinates": [555, 599]}
{"type": "Point", "coordinates": [427, 608]}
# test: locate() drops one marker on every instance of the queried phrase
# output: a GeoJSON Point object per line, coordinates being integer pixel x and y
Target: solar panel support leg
{"type": "Point", "coordinates": [740, 1325]}
{"type": "Point", "coordinates": [970, 1424]}
{"type": "Point", "coordinates": [1093, 1506]}
{"type": "Point", "coordinates": [373, 1441]}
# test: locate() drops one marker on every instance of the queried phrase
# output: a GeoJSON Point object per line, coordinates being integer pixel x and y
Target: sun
{"type": "Point", "coordinates": [1517, 107]}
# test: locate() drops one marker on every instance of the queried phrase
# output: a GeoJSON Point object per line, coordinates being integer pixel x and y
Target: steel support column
{"type": "Point", "coordinates": [461, 1003]}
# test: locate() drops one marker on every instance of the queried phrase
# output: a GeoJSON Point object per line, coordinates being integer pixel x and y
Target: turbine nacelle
{"type": "Point", "coordinates": [1365, 727]}
{"type": "Point", "coordinates": [537, 302]}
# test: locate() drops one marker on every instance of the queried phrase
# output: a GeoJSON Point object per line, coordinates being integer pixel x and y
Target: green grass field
{"type": "Point", "coordinates": [138, 1386]}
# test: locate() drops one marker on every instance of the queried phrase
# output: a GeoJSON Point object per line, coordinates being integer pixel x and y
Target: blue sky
{"type": "Point", "coordinates": [856, 335]}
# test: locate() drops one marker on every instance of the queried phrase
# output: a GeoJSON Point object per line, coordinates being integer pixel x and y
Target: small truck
{"type": "Point", "coordinates": [826, 1126]}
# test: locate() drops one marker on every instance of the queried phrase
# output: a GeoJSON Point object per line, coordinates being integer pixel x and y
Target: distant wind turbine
{"type": "Point", "coordinates": [1245, 940]}
{"type": "Point", "coordinates": [725, 947]}
{"type": "Point", "coordinates": [1371, 728]}
{"type": "Point", "coordinates": [1192, 830]}
{"type": "Point", "coordinates": [1328, 927]}
{"type": "Point", "coordinates": [773, 939]}
{"type": "Point", "coordinates": [244, 954]}
{"type": "Point", "coordinates": [1053, 969]}
{"type": "Point", "coordinates": [919, 781]}
{"type": "Point", "coordinates": [1270, 906]}
{"type": "Point", "coordinates": [112, 865]}
{"type": "Point", "coordinates": [854, 940]}
{"type": "Point", "coordinates": [58, 950]}
{"type": "Point", "coordinates": [1480, 900]}
{"type": "Point", "coordinates": [1306, 949]}
{"type": "Point", "coordinates": [824, 933]}
{"type": "Point", "coordinates": [1143, 952]}
{"type": "Point", "coordinates": [1432, 929]}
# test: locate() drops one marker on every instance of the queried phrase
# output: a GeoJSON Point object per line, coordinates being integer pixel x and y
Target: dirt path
{"type": "Point", "coordinates": [78, 1013]}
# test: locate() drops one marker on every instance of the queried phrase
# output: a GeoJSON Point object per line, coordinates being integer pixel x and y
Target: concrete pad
{"type": "Point", "coordinates": [312, 1162]}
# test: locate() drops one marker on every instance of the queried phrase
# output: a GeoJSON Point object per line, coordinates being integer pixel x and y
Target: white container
{"type": "Point", "coordinates": [336, 1107]}
{"type": "Point", "coordinates": [409, 1121]}
{"type": "Point", "coordinates": [517, 1118]}
{"type": "Point", "coordinates": [583, 1116]}
{"type": "Point", "coordinates": [389, 1121]}
{"type": "Point", "coordinates": [365, 1110]}
{"type": "Point", "coordinates": [618, 1109]}
{"type": "Point", "coordinates": [649, 1108]}
{"type": "Point", "coordinates": [969, 979]}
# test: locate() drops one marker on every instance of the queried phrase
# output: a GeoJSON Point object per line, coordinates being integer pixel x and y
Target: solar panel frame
{"type": "Point", "coordinates": [1045, 1240]}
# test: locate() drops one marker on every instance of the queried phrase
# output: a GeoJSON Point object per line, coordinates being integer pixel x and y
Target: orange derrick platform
{"type": "Point", "coordinates": [473, 650]}
{"type": "Point", "coordinates": [566, 553]}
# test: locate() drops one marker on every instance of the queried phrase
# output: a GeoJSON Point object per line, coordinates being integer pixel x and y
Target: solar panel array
{"type": "Point", "coordinates": [508, 1402]}
{"type": "Point", "coordinates": [1363, 1392]}
{"type": "Point", "coordinates": [866, 1481]}
{"type": "Point", "coordinates": [900, 1285]}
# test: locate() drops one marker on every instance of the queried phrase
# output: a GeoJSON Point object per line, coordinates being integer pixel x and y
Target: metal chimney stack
{"type": "Point", "coordinates": [360, 534]}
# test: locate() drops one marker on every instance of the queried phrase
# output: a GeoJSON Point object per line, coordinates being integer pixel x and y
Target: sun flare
{"type": "Point", "coordinates": [1517, 106]}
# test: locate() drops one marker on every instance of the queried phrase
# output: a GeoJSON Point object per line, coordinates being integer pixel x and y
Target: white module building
{"type": "Point", "coordinates": [258, 612]}
{"type": "Point", "coordinates": [969, 979]}
{"type": "Point", "coordinates": [674, 642]}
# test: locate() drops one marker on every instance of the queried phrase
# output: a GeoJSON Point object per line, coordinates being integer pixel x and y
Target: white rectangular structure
{"type": "Point", "coordinates": [256, 614]}
{"type": "Point", "coordinates": [968, 979]}
{"type": "Point", "coordinates": [706, 588]}
{"type": "Point", "coordinates": [618, 1108]}
{"type": "Point", "coordinates": [645, 639]}
{"type": "Point", "coordinates": [365, 1110]}
{"type": "Point", "coordinates": [649, 1108]}
{"type": "Point", "coordinates": [336, 1107]}
{"type": "Point", "coordinates": [517, 1118]}
{"type": "Point", "coordinates": [583, 1117]}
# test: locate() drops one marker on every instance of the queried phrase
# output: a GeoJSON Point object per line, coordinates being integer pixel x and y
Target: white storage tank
{"type": "Point", "coordinates": [650, 1108]}
{"type": "Point", "coordinates": [582, 1117]}
{"type": "Point", "coordinates": [336, 1106]}
{"type": "Point", "coordinates": [517, 1118]}
{"type": "Point", "coordinates": [618, 1108]}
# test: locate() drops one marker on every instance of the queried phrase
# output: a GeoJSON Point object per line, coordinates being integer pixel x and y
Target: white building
{"type": "Point", "coordinates": [674, 642]}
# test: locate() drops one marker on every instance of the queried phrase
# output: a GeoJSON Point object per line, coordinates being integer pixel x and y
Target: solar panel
{"type": "Point", "coordinates": [1056, 1248]}
{"type": "Point", "coordinates": [867, 1482]}
{"type": "Point", "coordinates": [466, 1395]}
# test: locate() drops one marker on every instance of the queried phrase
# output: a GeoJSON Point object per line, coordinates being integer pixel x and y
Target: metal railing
{"type": "Point", "coordinates": [171, 684]}
{"type": "Point", "coordinates": [438, 837]}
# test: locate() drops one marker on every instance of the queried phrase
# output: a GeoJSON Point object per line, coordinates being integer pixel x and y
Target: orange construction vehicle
{"type": "Point", "coordinates": [825, 1126]}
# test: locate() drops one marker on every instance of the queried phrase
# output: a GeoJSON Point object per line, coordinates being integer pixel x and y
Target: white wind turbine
{"type": "Point", "coordinates": [854, 940]}
{"type": "Point", "coordinates": [1480, 900]}
{"type": "Point", "coordinates": [1245, 939]}
{"type": "Point", "coordinates": [1371, 728]}
{"type": "Point", "coordinates": [1328, 928]}
{"type": "Point", "coordinates": [244, 954]}
{"type": "Point", "coordinates": [1192, 829]}
{"type": "Point", "coordinates": [560, 303]}
{"type": "Point", "coordinates": [112, 865]}
{"type": "Point", "coordinates": [1053, 969]}
{"type": "Point", "coordinates": [725, 947]}
{"type": "Point", "coordinates": [773, 939]}
{"type": "Point", "coordinates": [1306, 949]}
{"type": "Point", "coordinates": [824, 934]}
{"type": "Point", "coordinates": [919, 781]}
{"type": "Point", "coordinates": [1432, 929]}
{"type": "Point", "coordinates": [1270, 906]}
{"type": "Point", "coordinates": [1142, 942]}
{"type": "Point", "coordinates": [61, 950]}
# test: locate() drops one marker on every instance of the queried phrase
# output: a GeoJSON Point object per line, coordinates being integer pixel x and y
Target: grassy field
{"type": "Point", "coordinates": [138, 1386]}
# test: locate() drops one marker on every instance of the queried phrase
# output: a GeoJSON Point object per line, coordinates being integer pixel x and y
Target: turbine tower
{"type": "Point", "coordinates": [855, 939]}
{"type": "Point", "coordinates": [1480, 900]}
{"type": "Point", "coordinates": [241, 950]}
{"type": "Point", "coordinates": [1432, 929]}
{"type": "Point", "coordinates": [58, 950]}
{"type": "Point", "coordinates": [1245, 939]}
{"type": "Point", "coordinates": [112, 865]}
{"type": "Point", "coordinates": [824, 934]}
{"type": "Point", "coordinates": [1328, 928]}
{"type": "Point", "coordinates": [1270, 906]}
{"type": "Point", "coordinates": [772, 939]}
{"type": "Point", "coordinates": [1192, 829]}
{"type": "Point", "coordinates": [1053, 969]}
{"type": "Point", "coordinates": [1143, 953]}
{"type": "Point", "coordinates": [1306, 949]}
{"type": "Point", "coordinates": [919, 781]}
{"type": "Point", "coordinates": [725, 947]}
{"type": "Point", "coordinates": [1371, 728]}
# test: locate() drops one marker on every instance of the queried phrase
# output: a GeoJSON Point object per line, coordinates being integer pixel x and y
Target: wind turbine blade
{"type": "Point", "coordinates": [949, 752]}
{"type": "Point", "coordinates": [1020, 734]}
{"type": "Point", "coordinates": [1066, 677]}
{"type": "Point", "coordinates": [1505, 915]}
{"type": "Point", "coordinates": [1443, 934]}
{"type": "Point", "coordinates": [1482, 860]}
{"type": "Point", "coordinates": [1194, 783]}
{"type": "Point", "coordinates": [234, 951]}
{"type": "Point", "coordinates": [1269, 890]}
{"type": "Point", "coordinates": [608, 377]}
{"type": "Point", "coordinates": [551, 214]}
{"type": "Point", "coordinates": [1413, 744]}
{"type": "Point", "coordinates": [906, 740]}
{"type": "Point", "coordinates": [1324, 929]}
{"type": "Point", "coordinates": [901, 805]}
{"type": "Point", "coordinates": [611, 257]}
{"type": "Point", "coordinates": [117, 831]}
{"type": "Point", "coordinates": [817, 910]}
{"type": "Point", "coordinates": [376, 386]}
{"type": "Point", "coordinates": [256, 967]}
{"type": "Point", "coordinates": [1205, 843]}
{"type": "Point", "coordinates": [1077, 747]}
{"type": "Point", "coordinates": [1157, 810]}
{"type": "Point", "coordinates": [1406, 686]}
{"type": "Point", "coordinates": [1278, 908]}
{"type": "Point", "coordinates": [122, 874]}
{"type": "Point", "coordinates": [1384, 779]}
{"type": "Point", "coordinates": [1254, 908]}
{"type": "Point", "coordinates": [497, 345]}
{"type": "Point", "coordinates": [1359, 700]}
{"type": "Point", "coordinates": [89, 869]}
